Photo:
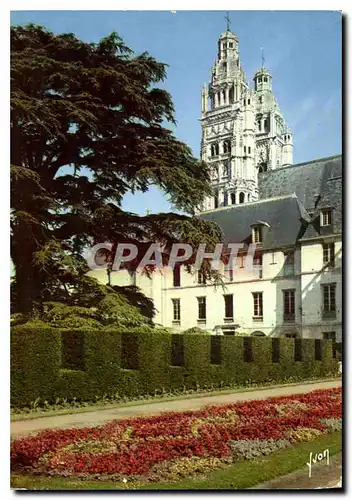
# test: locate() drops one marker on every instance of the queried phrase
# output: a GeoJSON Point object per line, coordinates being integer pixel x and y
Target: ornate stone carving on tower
{"type": "Point", "coordinates": [243, 130]}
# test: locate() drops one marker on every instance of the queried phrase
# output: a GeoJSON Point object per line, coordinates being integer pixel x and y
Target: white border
{"type": "Point", "coordinates": [343, 6]}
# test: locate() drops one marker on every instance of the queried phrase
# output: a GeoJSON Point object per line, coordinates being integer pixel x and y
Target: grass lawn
{"type": "Point", "coordinates": [242, 475]}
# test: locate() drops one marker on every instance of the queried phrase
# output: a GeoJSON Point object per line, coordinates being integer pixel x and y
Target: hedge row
{"type": "Point", "coordinates": [48, 363]}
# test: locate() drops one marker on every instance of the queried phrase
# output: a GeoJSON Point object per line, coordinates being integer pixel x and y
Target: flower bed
{"type": "Point", "coordinates": [173, 445]}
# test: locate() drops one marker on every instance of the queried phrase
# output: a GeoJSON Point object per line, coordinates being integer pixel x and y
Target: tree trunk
{"type": "Point", "coordinates": [28, 278]}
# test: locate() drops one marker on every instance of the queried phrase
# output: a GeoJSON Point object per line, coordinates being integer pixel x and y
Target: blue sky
{"type": "Point", "coordinates": [302, 49]}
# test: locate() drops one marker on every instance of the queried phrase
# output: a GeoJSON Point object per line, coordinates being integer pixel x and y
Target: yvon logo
{"type": "Point", "coordinates": [318, 458]}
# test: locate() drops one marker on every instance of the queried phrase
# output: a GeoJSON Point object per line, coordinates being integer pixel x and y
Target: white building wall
{"type": "Point", "coordinates": [307, 280]}
{"type": "Point", "coordinates": [314, 275]}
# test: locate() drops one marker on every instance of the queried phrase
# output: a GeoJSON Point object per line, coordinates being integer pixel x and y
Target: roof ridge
{"type": "Point", "coordinates": [264, 200]}
{"type": "Point", "coordinates": [317, 160]}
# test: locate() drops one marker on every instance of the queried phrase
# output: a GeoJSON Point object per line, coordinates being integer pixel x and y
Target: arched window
{"type": "Point", "coordinates": [233, 199]}
{"type": "Point", "coordinates": [241, 199]}
{"type": "Point", "coordinates": [258, 333]}
{"type": "Point", "coordinates": [249, 197]}
{"type": "Point", "coordinates": [265, 78]}
{"type": "Point", "coordinates": [227, 146]}
{"type": "Point", "coordinates": [231, 95]}
{"type": "Point", "coordinates": [214, 149]}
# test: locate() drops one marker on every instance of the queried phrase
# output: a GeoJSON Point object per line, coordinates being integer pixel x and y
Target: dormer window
{"type": "Point", "coordinates": [325, 217]}
{"type": "Point", "coordinates": [259, 230]}
{"type": "Point", "coordinates": [257, 234]}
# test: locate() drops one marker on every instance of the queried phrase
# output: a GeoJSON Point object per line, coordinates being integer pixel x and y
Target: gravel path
{"type": "Point", "coordinates": [99, 417]}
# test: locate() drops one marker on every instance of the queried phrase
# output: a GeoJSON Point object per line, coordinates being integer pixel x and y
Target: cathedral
{"type": "Point", "coordinates": [243, 130]}
{"type": "Point", "coordinates": [291, 212]}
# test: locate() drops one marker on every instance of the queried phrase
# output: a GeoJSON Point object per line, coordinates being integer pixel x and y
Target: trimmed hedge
{"type": "Point", "coordinates": [50, 363]}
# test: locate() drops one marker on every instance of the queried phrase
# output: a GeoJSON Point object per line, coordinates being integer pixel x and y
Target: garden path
{"type": "Point", "coordinates": [99, 417]}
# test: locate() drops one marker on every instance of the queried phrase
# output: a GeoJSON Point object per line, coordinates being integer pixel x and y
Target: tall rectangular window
{"type": "Point", "coordinates": [289, 263]}
{"type": "Point", "coordinates": [325, 217]}
{"type": "Point", "coordinates": [177, 275]}
{"type": "Point", "coordinates": [329, 300]}
{"type": "Point", "coordinates": [228, 306]}
{"type": "Point", "coordinates": [289, 305]}
{"type": "Point", "coordinates": [258, 305]}
{"type": "Point", "coordinates": [202, 308]}
{"type": "Point", "coordinates": [329, 336]}
{"type": "Point", "coordinates": [176, 305]}
{"type": "Point", "coordinates": [329, 254]}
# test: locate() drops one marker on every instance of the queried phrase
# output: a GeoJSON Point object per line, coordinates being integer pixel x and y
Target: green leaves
{"type": "Point", "coordinates": [86, 128]}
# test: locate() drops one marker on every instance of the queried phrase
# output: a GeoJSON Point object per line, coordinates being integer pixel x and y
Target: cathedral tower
{"type": "Point", "coordinates": [243, 131]}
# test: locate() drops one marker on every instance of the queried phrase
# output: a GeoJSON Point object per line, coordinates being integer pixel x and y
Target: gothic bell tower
{"type": "Point", "coordinates": [228, 128]}
{"type": "Point", "coordinates": [243, 130]}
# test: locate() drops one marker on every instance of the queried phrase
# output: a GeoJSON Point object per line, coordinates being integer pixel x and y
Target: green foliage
{"type": "Point", "coordinates": [86, 129]}
{"type": "Point", "coordinates": [38, 356]}
{"type": "Point", "coordinates": [195, 330]}
{"type": "Point", "coordinates": [112, 307]}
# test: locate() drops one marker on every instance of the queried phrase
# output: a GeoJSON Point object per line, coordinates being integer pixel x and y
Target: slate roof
{"type": "Point", "coordinates": [285, 215]}
{"type": "Point", "coordinates": [317, 184]}
{"type": "Point", "coordinates": [291, 199]}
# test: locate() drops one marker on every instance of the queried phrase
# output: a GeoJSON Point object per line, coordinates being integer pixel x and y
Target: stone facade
{"type": "Point", "coordinates": [296, 287]}
{"type": "Point", "coordinates": [243, 130]}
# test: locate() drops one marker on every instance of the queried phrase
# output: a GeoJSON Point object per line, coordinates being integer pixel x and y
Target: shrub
{"type": "Point", "coordinates": [88, 365]}
{"type": "Point", "coordinates": [195, 330]}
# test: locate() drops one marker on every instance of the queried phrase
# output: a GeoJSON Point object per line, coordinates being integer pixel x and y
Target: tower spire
{"type": "Point", "coordinates": [228, 22]}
